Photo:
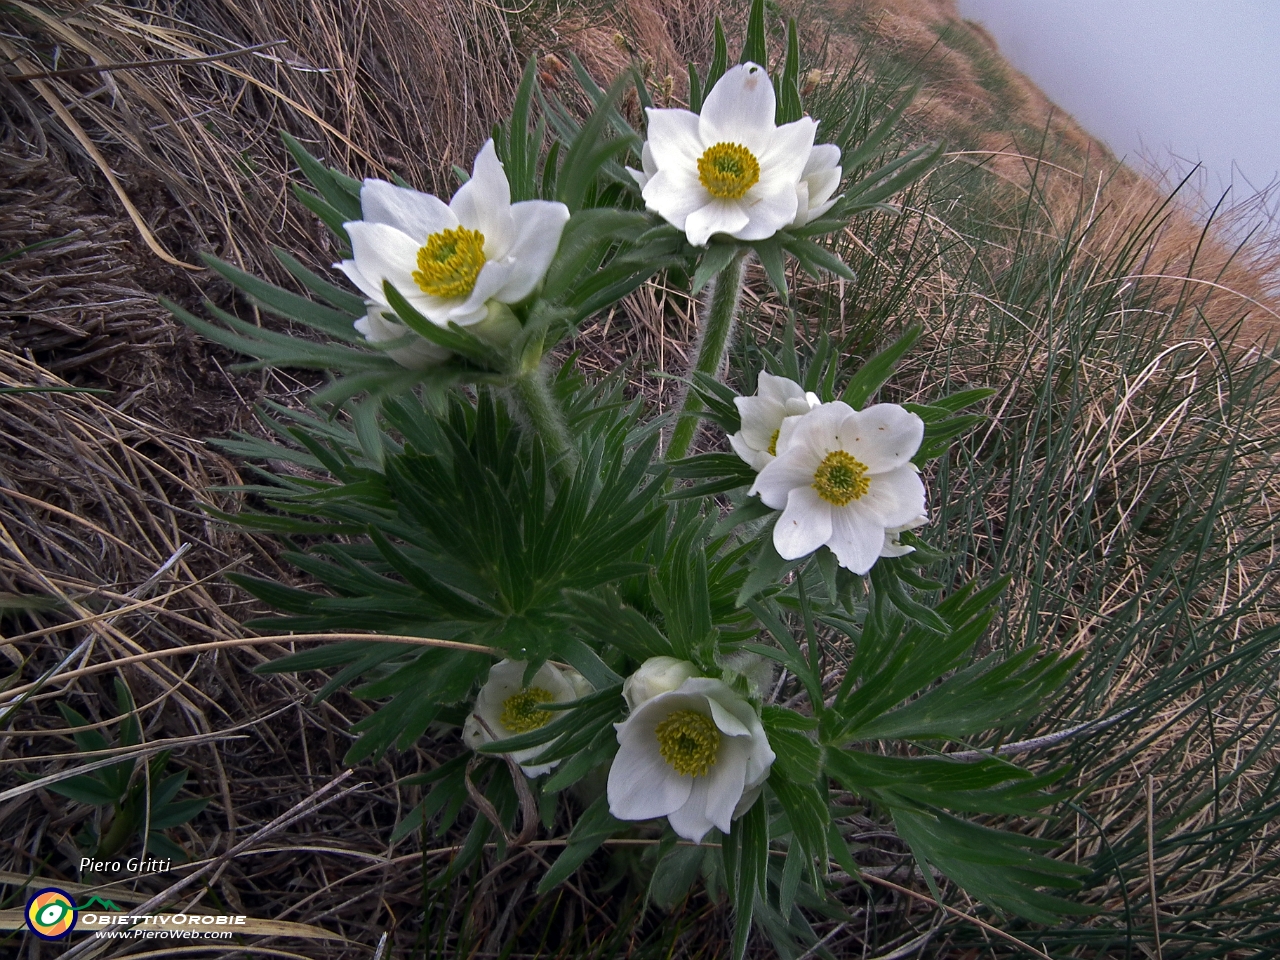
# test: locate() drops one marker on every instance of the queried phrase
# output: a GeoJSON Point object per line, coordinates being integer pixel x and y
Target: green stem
{"type": "Point", "coordinates": [722, 310]}
{"type": "Point", "coordinates": [534, 400]}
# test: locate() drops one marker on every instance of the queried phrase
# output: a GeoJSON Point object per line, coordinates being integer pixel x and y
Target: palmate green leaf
{"type": "Point", "coordinates": [754, 49]}
{"type": "Point", "coordinates": [767, 568]}
{"type": "Point", "coordinates": [589, 149]}
{"type": "Point", "coordinates": [994, 866]}
{"type": "Point", "coordinates": [178, 813]}
{"type": "Point", "coordinates": [339, 191]}
{"type": "Point", "coordinates": [789, 108]}
{"type": "Point", "coordinates": [675, 874]}
{"type": "Point", "coordinates": [746, 858]}
{"type": "Point", "coordinates": [600, 751]}
{"type": "Point", "coordinates": [86, 789]}
{"type": "Point", "coordinates": [893, 661]}
{"type": "Point", "coordinates": [718, 400]}
{"type": "Point", "coordinates": [809, 816]}
{"type": "Point", "coordinates": [982, 696]}
{"type": "Point", "coordinates": [988, 785]}
{"type": "Point", "coordinates": [799, 759]}
{"type": "Point", "coordinates": [340, 298]}
{"type": "Point", "coordinates": [719, 59]}
{"type": "Point", "coordinates": [335, 323]}
{"type": "Point", "coordinates": [609, 620]}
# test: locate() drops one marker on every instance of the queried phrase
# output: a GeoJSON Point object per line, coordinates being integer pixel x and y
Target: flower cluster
{"type": "Point", "coordinates": [692, 748]}
{"type": "Point", "coordinates": [843, 478]}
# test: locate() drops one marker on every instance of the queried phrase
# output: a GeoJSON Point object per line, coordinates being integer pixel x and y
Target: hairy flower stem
{"type": "Point", "coordinates": [722, 310]}
{"type": "Point", "coordinates": [538, 408]}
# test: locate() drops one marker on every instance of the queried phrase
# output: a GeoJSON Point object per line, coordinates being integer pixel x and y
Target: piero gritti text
{"type": "Point", "coordinates": [134, 865]}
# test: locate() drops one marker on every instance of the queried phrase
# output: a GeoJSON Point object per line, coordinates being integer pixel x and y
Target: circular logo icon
{"type": "Point", "coordinates": [51, 913]}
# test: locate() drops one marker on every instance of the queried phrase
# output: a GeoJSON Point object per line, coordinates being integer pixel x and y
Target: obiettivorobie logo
{"type": "Point", "coordinates": [51, 913]}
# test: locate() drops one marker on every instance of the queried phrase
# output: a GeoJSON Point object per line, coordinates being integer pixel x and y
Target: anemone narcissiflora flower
{"type": "Point", "coordinates": [510, 708]}
{"type": "Point", "coordinates": [730, 169]}
{"type": "Point", "coordinates": [842, 478]}
{"type": "Point", "coordinates": [776, 399]}
{"type": "Point", "coordinates": [450, 260]}
{"type": "Point", "coordinates": [697, 755]}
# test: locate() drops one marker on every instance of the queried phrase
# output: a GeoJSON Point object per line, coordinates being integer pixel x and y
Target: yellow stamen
{"type": "Point", "coordinates": [728, 170]}
{"type": "Point", "coordinates": [520, 713]}
{"type": "Point", "coordinates": [689, 742]}
{"type": "Point", "coordinates": [449, 262]}
{"type": "Point", "coordinates": [773, 443]}
{"type": "Point", "coordinates": [840, 478]}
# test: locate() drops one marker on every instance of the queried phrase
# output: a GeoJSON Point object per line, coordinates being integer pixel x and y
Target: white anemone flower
{"type": "Point", "coordinates": [417, 353]}
{"type": "Point", "coordinates": [697, 755]}
{"type": "Point", "coordinates": [450, 260]}
{"type": "Point", "coordinates": [730, 169]}
{"type": "Point", "coordinates": [842, 478]}
{"type": "Point", "coordinates": [656, 675]}
{"type": "Point", "coordinates": [893, 546]}
{"type": "Point", "coordinates": [818, 182]}
{"type": "Point", "coordinates": [776, 399]}
{"type": "Point", "coordinates": [509, 708]}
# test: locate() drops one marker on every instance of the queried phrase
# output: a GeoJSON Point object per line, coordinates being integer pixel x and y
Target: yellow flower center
{"type": "Point", "coordinates": [689, 742]}
{"type": "Point", "coordinates": [449, 262]}
{"type": "Point", "coordinates": [520, 712]}
{"type": "Point", "coordinates": [773, 443]}
{"type": "Point", "coordinates": [728, 170]}
{"type": "Point", "coordinates": [840, 478]}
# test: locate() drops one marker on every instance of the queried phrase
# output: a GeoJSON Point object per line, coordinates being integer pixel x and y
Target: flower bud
{"type": "Point", "coordinates": [656, 675]}
{"type": "Point", "coordinates": [499, 326]}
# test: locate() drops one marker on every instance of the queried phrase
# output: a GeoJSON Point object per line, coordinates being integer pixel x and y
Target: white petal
{"type": "Point", "coordinates": [553, 680]}
{"type": "Point", "coordinates": [378, 253]}
{"type": "Point", "coordinates": [882, 437]}
{"type": "Point", "coordinates": [470, 309]}
{"type": "Point", "coordinates": [690, 820]}
{"type": "Point", "coordinates": [789, 148]}
{"type": "Point", "coordinates": [895, 498]}
{"type": "Point", "coordinates": [786, 472]}
{"type": "Point", "coordinates": [819, 431]}
{"type": "Point", "coordinates": [805, 524]}
{"type": "Point", "coordinates": [718, 216]}
{"type": "Point", "coordinates": [538, 226]}
{"type": "Point", "coordinates": [641, 784]}
{"type": "Point", "coordinates": [484, 203]}
{"type": "Point", "coordinates": [777, 388]}
{"type": "Point", "coordinates": [727, 723]}
{"type": "Point", "coordinates": [760, 417]}
{"type": "Point", "coordinates": [802, 204]}
{"type": "Point", "coordinates": [824, 156]}
{"type": "Point", "coordinates": [674, 194]}
{"type": "Point", "coordinates": [417, 214]}
{"type": "Point", "coordinates": [768, 212]}
{"type": "Point", "coordinates": [856, 537]}
{"type": "Point", "coordinates": [474, 735]}
{"type": "Point", "coordinates": [725, 782]}
{"type": "Point", "coordinates": [758, 459]}
{"type": "Point", "coordinates": [740, 109]}
{"type": "Point", "coordinates": [673, 140]}
{"type": "Point", "coordinates": [821, 186]}
{"type": "Point", "coordinates": [749, 797]}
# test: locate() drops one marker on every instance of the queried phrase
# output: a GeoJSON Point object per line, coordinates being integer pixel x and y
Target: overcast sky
{"type": "Point", "coordinates": [1188, 80]}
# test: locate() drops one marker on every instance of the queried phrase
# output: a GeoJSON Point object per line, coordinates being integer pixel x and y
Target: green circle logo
{"type": "Point", "coordinates": [51, 914]}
